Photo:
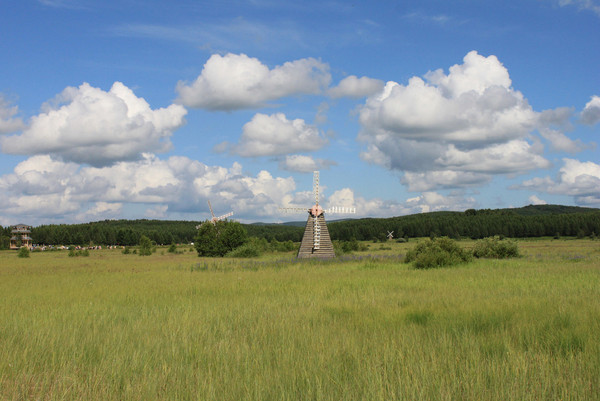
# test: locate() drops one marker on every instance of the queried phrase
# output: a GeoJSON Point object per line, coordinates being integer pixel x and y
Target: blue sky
{"type": "Point", "coordinates": [147, 109]}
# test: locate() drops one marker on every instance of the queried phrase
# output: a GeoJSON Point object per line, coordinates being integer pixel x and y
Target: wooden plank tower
{"type": "Point", "coordinates": [316, 242]}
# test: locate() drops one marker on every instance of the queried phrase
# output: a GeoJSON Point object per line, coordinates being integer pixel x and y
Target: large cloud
{"type": "Point", "coordinates": [89, 125]}
{"type": "Point", "coordinates": [578, 179]}
{"type": "Point", "coordinates": [71, 192]}
{"type": "Point", "coordinates": [235, 81]}
{"type": "Point", "coordinates": [274, 135]}
{"type": "Point", "coordinates": [465, 126]}
{"type": "Point", "coordinates": [177, 187]}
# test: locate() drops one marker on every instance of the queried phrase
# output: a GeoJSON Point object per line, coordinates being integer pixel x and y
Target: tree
{"type": "Point", "coordinates": [23, 252]}
{"type": "Point", "coordinates": [145, 246]}
{"type": "Point", "coordinates": [220, 238]}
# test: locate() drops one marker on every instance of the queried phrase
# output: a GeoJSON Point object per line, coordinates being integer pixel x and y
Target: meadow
{"type": "Point", "coordinates": [362, 327]}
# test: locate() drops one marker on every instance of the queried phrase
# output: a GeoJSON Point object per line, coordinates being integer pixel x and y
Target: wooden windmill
{"type": "Point", "coordinates": [390, 235]}
{"type": "Point", "coordinates": [214, 219]}
{"type": "Point", "coordinates": [316, 242]}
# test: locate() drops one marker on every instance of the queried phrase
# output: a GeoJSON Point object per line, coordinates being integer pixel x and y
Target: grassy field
{"type": "Point", "coordinates": [178, 327]}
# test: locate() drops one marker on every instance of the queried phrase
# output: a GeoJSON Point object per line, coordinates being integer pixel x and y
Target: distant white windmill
{"type": "Point", "coordinates": [214, 219]}
{"type": "Point", "coordinates": [390, 235]}
{"type": "Point", "coordinates": [316, 241]}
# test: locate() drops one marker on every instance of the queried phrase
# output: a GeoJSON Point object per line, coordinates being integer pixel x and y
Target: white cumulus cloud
{"type": "Point", "coordinates": [578, 179]}
{"type": "Point", "coordinates": [236, 81]}
{"type": "Point", "coordinates": [355, 87]}
{"type": "Point", "coordinates": [89, 125]}
{"type": "Point", "coordinates": [452, 130]}
{"type": "Point", "coordinates": [273, 135]}
{"type": "Point", "coordinates": [44, 189]}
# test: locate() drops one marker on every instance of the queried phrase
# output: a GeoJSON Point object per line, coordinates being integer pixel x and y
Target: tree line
{"type": "Point", "coordinates": [531, 221]}
{"type": "Point", "coordinates": [470, 224]}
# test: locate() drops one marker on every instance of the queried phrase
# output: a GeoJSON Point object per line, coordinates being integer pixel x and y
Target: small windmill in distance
{"type": "Point", "coordinates": [214, 219]}
{"type": "Point", "coordinates": [316, 241]}
{"type": "Point", "coordinates": [390, 235]}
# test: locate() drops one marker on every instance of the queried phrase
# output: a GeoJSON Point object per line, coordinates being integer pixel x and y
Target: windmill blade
{"type": "Point", "coordinates": [210, 207]}
{"type": "Point", "coordinates": [316, 186]}
{"type": "Point", "coordinates": [338, 209]}
{"type": "Point", "coordinates": [224, 216]}
{"type": "Point", "coordinates": [293, 209]}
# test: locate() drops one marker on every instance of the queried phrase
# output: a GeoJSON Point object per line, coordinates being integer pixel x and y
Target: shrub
{"type": "Point", "coordinates": [248, 250]}
{"type": "Point", "coordinates": [23, 252]}
{"type": "Point", "coordinates": [494, 247]}
{"type": "Point", "coordinates": [126, 251]}
{"type": "Point", "coordinates": [145, 246]}
{"type": "Point", "coordinates": [437, 252]}
{"type": "Point", "coordinates": [285, 246]}
{"type": "Point", "coordinates": [350, 246]}
{"type": "Point", "coordinates": [220, 238]}
{"type": "Point", "coordinates": [172, 248]}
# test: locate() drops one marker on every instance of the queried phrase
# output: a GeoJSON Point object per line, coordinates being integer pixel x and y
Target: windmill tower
{"type": "Point", "coordinates": [390, 235]}
{"type": "Point", "coordinates": [214, 219]}
{"type": "Point", "coordinates": [316, 242]}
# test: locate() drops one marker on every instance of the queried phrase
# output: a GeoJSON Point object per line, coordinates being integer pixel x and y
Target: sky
{"type": "Point", "coordinates": [131, 109]}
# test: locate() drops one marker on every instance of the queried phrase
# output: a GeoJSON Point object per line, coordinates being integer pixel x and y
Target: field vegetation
{"type": "Point", "coordinates": [364, 326]}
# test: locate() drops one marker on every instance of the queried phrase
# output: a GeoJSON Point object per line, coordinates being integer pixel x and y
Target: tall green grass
{"type": "Point", "coordinates": [121, 327]}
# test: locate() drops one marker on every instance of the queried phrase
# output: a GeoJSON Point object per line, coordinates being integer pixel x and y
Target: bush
{"type": "Point", "coordinates": [248, 250]}
{"type": "Point", "coordinates": [350, 246]}
{"type": "Point", "coordinates": [145, 246]}
{"type": "Point", "coordinates": [494, 247]}
{"type": "Point", "coordinates": [285, 246]}
{"type": "Point", "coordinates": [23, 252]}
{"type": "Point", "coordinates": [172, 248]}
{"type": "Point", "coordinates": [437, 252]}
{"type": "Point", "coordinates": [220, 238]}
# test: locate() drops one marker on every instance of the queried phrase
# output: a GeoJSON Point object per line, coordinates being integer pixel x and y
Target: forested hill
{"type": "Point", "coordinates": [529, 221]}
{"type": "Point", "coordinates": [533, 210]}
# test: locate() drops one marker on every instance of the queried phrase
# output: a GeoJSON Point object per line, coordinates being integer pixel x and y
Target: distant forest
{"type": "Point", "coordinates": [529, 221]}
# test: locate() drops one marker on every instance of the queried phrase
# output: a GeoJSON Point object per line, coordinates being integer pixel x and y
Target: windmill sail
{"type": "Point", "coordinates": [214, 219]}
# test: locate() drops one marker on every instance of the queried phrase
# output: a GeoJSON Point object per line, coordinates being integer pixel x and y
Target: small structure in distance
{"type": "Point", "coordinates": [316, 242]}
{"type": "Point", "coordinates": [390, 235]}
{"type": "Point", "coordinates": [20, 236]}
